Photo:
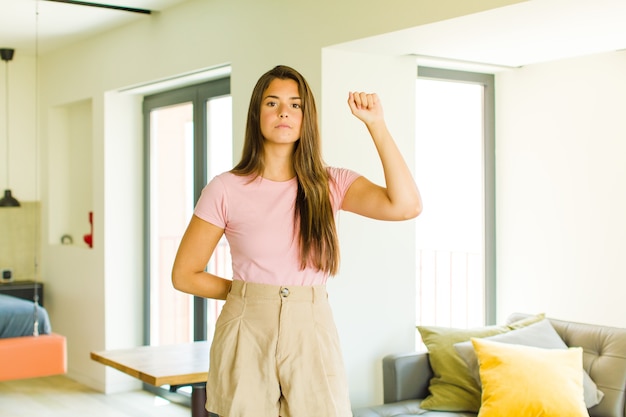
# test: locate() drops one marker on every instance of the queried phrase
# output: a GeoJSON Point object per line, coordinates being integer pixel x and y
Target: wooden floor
{"type": "Point", "coordinates": [59, 396]}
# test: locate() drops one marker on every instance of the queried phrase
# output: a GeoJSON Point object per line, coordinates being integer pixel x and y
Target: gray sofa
{"type": "Point", "coordinates": [406, 376]}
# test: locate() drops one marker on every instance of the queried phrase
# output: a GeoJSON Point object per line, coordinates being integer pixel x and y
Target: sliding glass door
{"type": "Point", "coordinates": [188, 141]}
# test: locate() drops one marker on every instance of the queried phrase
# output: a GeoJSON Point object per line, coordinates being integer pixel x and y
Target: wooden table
{"type": "Point", "coordinates": [174, 365]}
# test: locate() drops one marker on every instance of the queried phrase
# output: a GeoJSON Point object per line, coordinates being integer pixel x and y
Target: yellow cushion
{"type": "Point", "coordinates": [453, 388]}
{"type": "Point", "coordinates": [525, 381]}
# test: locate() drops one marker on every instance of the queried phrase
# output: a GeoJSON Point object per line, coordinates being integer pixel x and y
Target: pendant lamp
{"type": "Point", "coordinates": [8, 200]}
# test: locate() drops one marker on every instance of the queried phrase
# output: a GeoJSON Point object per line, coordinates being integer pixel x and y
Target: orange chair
{"type": "Point", "coordinates": [32, 356]}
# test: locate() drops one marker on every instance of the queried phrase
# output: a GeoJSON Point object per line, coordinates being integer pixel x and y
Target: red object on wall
{"type": "Point", "coordinates": [89, 238]}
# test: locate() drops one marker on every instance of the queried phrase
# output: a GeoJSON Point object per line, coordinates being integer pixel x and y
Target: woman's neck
{"type": "Point", "coordinates": [278, 164]}
{"type": "Point", "coordinates": [278, 174]}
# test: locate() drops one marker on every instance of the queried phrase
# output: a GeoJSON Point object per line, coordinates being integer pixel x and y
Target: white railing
{"type": "Point", "coordinates": [449, 289]}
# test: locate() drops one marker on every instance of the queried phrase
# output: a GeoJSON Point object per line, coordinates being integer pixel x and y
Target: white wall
{"type": "Point", "coordinates": [561, 189]}
{"type": "Point", "coordinates": [373, 296]}
{"type": "Point", "coordinates": [123, 202]}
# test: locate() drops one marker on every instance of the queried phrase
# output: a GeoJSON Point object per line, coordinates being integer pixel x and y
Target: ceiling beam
{"type": "Point", "coordinates": [104, 6]}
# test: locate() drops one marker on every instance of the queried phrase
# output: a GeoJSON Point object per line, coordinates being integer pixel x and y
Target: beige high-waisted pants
{"type": "Point", "coordinates": [276, 352]}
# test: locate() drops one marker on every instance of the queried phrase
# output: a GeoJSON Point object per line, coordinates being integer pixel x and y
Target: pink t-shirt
{"type": "Point", "coordinates": [258, 221]}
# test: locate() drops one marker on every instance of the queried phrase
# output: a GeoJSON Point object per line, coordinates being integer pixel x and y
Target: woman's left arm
{"type": "Point", "coordinates": [400, 198]}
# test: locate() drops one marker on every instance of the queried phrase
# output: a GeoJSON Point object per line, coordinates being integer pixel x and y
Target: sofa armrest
{"type": "Point", "coordinates": [406, 376]}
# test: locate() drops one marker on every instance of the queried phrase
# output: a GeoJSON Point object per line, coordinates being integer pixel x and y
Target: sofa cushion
{"type": "Point", "coordinates": [452, 387]}
{"type": "Point", "coordinates": [541, 335]}
{"type": "Point", "coordinates": [525, 381]}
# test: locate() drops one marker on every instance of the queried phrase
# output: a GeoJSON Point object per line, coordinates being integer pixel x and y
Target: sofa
{"type": "Point", "coordinates": [407, 376]}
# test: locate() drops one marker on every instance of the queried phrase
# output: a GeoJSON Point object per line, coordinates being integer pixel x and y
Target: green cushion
{"type": "Point", "coordinates": [452, 387]}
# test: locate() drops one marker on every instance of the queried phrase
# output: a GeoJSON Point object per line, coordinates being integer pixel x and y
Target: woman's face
{"type": "Point", "coordinates": [281, 112]}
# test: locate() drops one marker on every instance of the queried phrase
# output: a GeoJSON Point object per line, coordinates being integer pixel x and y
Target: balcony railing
{"type": "Point", "coordinates": [449, 289]}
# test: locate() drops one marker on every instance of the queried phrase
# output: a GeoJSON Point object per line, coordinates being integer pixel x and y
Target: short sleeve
{"type": "Point", "coordinates": [212, 204]}
{"type": "Point", "coordinates": [341, 180]}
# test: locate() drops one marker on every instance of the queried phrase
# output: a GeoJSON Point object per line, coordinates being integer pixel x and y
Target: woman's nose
{"type": "Point", "coordinates": [283, 110]}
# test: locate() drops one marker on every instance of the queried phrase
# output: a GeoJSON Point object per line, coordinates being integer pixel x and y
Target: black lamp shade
{"type": "Point", "coordinates": [8, 200]}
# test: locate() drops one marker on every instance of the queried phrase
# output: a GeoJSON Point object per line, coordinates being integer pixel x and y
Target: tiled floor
{"type": "Point", "coordinates": [59, 396]}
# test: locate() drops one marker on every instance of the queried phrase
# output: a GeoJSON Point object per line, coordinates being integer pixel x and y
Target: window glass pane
{"type": "Point", "coordinates": [450, 233]}
{"type": "Point", "coordinates": [171, 202]}
{"type": "Point", "coordinates": [219, 157]}
{"type": "Point", "coordinates": [220, 133]}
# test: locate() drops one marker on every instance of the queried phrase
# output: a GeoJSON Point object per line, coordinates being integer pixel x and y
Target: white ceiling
{"type": "Point", "coordinates": [59, 24]}
{"type": "Point", "coordinates": [520, 34]}
{"type": "Point", "coordinates": [513, 36]}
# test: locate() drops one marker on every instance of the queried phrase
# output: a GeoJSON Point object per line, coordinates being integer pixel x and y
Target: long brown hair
{"type": "Point", "coordinates": [319, 246]}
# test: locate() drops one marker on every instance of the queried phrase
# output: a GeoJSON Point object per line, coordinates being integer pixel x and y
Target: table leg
{"type": "Point", "coordinates": [198, 400]}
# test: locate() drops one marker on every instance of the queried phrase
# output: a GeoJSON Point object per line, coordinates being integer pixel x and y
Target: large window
{"type": "Point", "coordinates": [455, 167]}
{"type": "Point", "coordinates": [188, 137]}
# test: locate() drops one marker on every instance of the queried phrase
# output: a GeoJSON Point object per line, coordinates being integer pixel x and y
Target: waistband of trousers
{"type": "Point", "coordinates": [286, 292]}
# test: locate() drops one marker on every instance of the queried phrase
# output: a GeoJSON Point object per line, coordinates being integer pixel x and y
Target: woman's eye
{"type": "Point", "coordinates": [296, 106]}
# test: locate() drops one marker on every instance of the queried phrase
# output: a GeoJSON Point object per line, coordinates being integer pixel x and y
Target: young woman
{"type": "Point", "coordinates": [275, 350]}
